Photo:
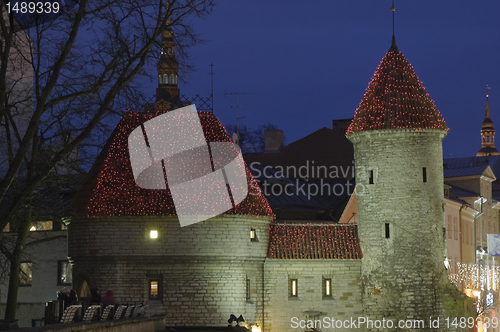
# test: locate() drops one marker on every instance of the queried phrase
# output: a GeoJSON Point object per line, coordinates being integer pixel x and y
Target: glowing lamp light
{"type": "Point", "coordinates": [153, 234]}
{"type": "Point", "coordinates": [256, 328]}
{"type": "Point", "coordinates": [32, 229]}
{"type": "Point", "coordinates": [252, 234]}
{"type": "Point", "coordinates": [476, 293]}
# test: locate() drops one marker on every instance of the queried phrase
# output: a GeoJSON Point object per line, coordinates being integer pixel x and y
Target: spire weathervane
{"type": "Point", "coordinates": [393, 46]}
{"type": "Point", "coordinates": [393, 9]}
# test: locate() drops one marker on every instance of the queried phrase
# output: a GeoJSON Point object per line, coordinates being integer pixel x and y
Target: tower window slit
{"type": "Point", "coordinates": [370, 177]}
{"type": "Point", "coordinates": [387, 231]}
{"type": "Point", "coordinates": [424, 174]}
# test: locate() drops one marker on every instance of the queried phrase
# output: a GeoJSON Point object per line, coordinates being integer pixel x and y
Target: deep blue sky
{"type": "Point", "coordinates": [307, 63]}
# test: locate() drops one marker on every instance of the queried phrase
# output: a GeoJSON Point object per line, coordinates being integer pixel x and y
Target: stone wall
{"type": "Point", "coordinates": [202, 269]}
{"type": "Point", "coordinates": [310, 302]}
{"type": "Point", "coordinates": [149, 324]}
{"type": "Point", "coordinates": [401, 227]}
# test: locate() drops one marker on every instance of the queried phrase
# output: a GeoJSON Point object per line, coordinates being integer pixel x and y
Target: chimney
{"type": "Point", "coordinates": [273, 140]}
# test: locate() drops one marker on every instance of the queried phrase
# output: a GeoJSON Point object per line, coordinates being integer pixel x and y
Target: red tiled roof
{"type": "Point", "coordinates": [314, 242]}
{"type": "Point", "coordinates": [396, 99]}
{"type": "Point", "coordinates": [110, 189]}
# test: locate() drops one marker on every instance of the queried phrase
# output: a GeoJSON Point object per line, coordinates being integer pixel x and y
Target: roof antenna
{"type": "Point", "coordinates": [393, 46]}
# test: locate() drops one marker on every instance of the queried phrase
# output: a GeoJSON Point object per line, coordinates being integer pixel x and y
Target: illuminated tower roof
{"type": "Point", "coordinates": [110, 188]}
{"type": "Point", "coordinates": [396, 99]}
{"type": "Point", "coordinates": [487, 134]}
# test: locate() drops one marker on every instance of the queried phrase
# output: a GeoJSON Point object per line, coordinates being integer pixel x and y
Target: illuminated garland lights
{"type": "Point", "coordinates": [396, 99]}
{"type": "Point", "coordinates": [313, 242]}
{"type": "Point", "coordinates": [110, 189]}
{"type": "Point", "coordinates": [474, 275]}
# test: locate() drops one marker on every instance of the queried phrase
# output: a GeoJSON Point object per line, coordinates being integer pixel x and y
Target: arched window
{"type": "Point", "coordinates": [175, 79]}
{"type": "Point", "coordinates": [165, 78]}
{"type": "Point", "coordinates": [159, 79]}
{"type": "Point", "coordinates": [172, 79]}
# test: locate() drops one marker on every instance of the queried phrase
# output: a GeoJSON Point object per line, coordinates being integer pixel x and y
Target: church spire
{"type": "Point", "coordinates": [168, 68]}
{"type": "Point", "coordinates": [487, 133]}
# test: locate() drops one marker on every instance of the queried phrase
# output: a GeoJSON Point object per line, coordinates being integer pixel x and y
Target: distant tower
{"type": "Point", "coordinates": [487, 134]}
{"type": "Point", "coordinates": [167, 93]}
{"type": "Point", "coordinates": [397, 134]}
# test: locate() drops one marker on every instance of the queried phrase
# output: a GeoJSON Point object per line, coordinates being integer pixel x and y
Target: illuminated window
{"type": "Point", "coordinates": [64, 273]}
{"type": "Point", "coordinates": [153, 234]}
{"type": "Point", "coordinates": [253, 235]}
{"type": "Point", "coordinates": [7, 228]}
{"type": "Point", "coordinates": [154, 289]}
{"type": "Point", "coordinates": [25, 275]}
{"type": "Point", "coordinates": [293, 288]}
{"type": "Point", "coordinates": [327, 286]}
{"type": "Point", "coordinates": [41, 226]}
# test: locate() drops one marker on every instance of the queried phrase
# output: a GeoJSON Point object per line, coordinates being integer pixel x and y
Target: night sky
{"type": "Point", "coordinates": [302, 64]}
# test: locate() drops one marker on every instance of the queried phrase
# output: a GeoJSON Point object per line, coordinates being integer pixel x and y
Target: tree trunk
{"type": "Point", "coordinates": [23, 229]}
{"type": "Point", "coordinates": [15, 265]}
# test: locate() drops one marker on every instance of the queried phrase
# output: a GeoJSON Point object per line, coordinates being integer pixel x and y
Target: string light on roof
{"type": "Point", "coordinates": [396, 99]}
{"type": "Point", "coordinates": [113, 191]}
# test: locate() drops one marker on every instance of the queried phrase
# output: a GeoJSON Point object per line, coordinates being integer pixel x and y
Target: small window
{"type": "Point", "coordinates": [172, 79]}
{"type": "Point", "coordinates": [253, 235]}
{"type": "Point", "coordinates": [154, 289]}
{"type": "Point", "coordinates": [424, 174]}
{"type": "Point", "coordinates": [370, 177]}
{"type": "Point", "coordinates": [165, 78]}
{"type": "Point", "coordinates": [64, 273]}
{"type": "Point", "coordinates": [327, 285]}
{"type": "Point", "coordinates": [25, 275]}
{"type": "Point", "coordinates": [387, 230]}
{"type": "Point", "coordinates": [455, 228]}
{"type": "Point", "coordinates": [293, 286]}
{"type": "Point", "coordinates": [248, 290]}
{"type": "Point", "coordinates": [7, 228]}
{"type": "Point", "coordinates": [449, 230]}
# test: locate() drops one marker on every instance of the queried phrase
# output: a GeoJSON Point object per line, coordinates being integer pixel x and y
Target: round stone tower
{"type": "Point", "coordinates": [397, 133]}
{"type": "Point", "coordinates": [128, 239]}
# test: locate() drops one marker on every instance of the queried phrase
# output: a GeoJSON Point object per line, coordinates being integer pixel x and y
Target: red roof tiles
{"type": "Point", "coordinates": [314, 242]}
{"type": "Point", "coordinates": [110, 189]}
{"type": "Point", "coordinates": [396, 99]}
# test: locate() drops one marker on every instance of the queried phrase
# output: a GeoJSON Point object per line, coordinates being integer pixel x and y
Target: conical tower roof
{"type": "Point", "coordinates": [396, 99]}
{"type": "Point", "coordinates": [110, 188]}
